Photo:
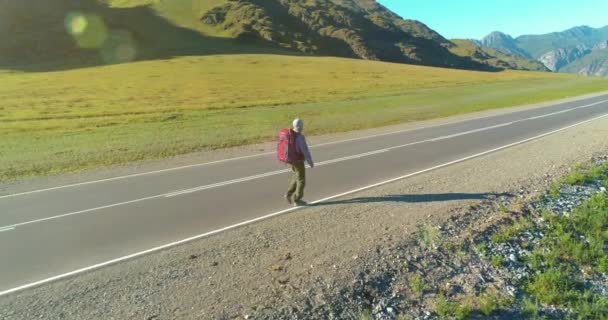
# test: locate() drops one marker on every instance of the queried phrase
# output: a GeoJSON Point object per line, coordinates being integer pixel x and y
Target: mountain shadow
{"type": "Point", "coordinates": [66, 34]}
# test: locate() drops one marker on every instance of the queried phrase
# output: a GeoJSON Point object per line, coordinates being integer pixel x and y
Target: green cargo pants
{"type": "Point", "coordinates": [298, 182]}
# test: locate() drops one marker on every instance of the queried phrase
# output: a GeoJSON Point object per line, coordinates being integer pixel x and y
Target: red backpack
{"type": "Point", "coordinates": [287, 150]}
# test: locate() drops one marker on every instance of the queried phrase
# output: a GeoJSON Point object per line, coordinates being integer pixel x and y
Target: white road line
{"type": "Point", "coordinates": [269, 153]}
{"type": "Point", "coordinates": [473, 131]}
{"type": "Point", "coordinates": [81, 212]}
{"type": "Point", "coordinates": [7, 229]}
{"type": "Point", "coordinates": [357, 156]}
{"type": "Point", "coordinates": [564, 111]}
{"type": "Point", "coordinates": [131, 176]}
{"type": "Point", "coordinates": [225, 183]}
{"type": "Point", "coordinates": [268, 174]}
{"type": "Point", "coordinates": [169, 245]}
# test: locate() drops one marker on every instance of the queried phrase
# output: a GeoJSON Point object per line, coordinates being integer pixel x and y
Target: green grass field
{"type": "Point", "coordinates": [68, 121]}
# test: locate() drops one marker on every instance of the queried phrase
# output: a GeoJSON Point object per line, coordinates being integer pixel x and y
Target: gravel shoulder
{"type": "Point", "coordinates": [272, 264]}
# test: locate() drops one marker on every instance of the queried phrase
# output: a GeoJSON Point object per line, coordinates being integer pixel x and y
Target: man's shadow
{"type": "Point", "coordinates": [419, 198]}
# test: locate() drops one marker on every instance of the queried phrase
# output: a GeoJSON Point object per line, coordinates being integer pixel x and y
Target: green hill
{"type": "Point", "coordinates": [355, 28]}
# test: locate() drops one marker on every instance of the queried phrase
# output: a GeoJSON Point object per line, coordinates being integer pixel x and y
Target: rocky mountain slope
{"type": "Point", "coordinates": [594, 63]}
{"type": "Point", "coordinates": [581, 50]}
{"type": "Point", "coordinates": [537, 45]}
{"type": "Point", "coordinates": [503, 42]}
{"type": "Point", "coordinates": [353, 28]}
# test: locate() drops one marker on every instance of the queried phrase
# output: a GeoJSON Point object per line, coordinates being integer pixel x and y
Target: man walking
{"type": "Point", "coordinates": [295, 193]}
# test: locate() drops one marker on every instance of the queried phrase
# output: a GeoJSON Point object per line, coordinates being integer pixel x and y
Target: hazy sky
{"type": "Point", "coordinates": [476, 18]}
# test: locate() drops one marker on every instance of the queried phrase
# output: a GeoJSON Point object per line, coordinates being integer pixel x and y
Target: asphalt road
{"type": "Point", "coordinates": [58, 232]}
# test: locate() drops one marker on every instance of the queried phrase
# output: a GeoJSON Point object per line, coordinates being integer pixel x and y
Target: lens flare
{"type": "Point", "coordinates": [120, 47]}
{"type": "Point", "coordinates": [76, 23]}
{"type": "Point", "coordinates": [89, 31]}
{"type": "Point", "coordinates": [125, 52]}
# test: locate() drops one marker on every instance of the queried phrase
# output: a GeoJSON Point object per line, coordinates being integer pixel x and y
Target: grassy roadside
{"type": "Point", "coordinates": [572, 252]}
{"type": "Point", "coordinates": [572, 255]}
{"type": "Point", "coordinates": [59, 122]}
{"type": "Point", "coordinates": [564, 260]}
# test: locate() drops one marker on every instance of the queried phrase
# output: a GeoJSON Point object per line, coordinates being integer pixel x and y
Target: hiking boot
{"type": "Point", "coordinates": [288, 199]}
{"type": "Point", "coordinates": [299, 203]}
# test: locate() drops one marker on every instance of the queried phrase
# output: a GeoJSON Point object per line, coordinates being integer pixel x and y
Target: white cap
{"type": "Point", "coordinates": [297, 125]}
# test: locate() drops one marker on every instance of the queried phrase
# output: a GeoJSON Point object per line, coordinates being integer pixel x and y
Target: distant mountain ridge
{"type": "Point", "coordinates": [537, 45]}
{"type": "Point", "coordinates": [582, 50]}
{"type": "Point", "coordinates": [503, 42]}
